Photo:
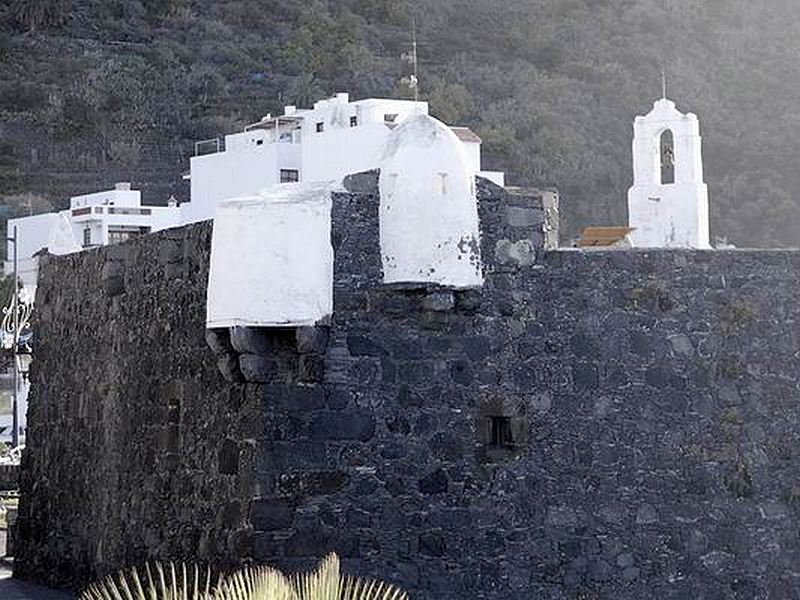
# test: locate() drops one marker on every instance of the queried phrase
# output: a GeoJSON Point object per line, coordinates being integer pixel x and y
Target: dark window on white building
{"type": "Point", "coordinates": [390, 118]}
{"type": "Point", "coordinates": [320, 127]}
{"type": "Point", "coordinates": [87, 237]}
{"type": "Point", "coordinates": [290, 175]}
{"type": "Point", "coordinates": [124, 233]}
{"type": "Point", "coordinates": [353, 121]}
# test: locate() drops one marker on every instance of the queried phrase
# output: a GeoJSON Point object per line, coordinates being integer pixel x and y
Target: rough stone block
{"type": "Point", "coordinates": [267, 514]}
{"type": "Point", "coordinates": [521, 253]}
{"type": "Point", "coordinates": [317, 541]}
{"type": "Point", "coordinates": [257, 369]}
{"type": "Point", "coordinates": [311, 339]}
{"type": "Point", "coordinates": [432, 543]}
{"type": "Point", "coordinates": [170, 250]}
{"type": "Point", "coordinates": [362, 183]}
{"type": "Point", "coordinates": [342, 426]}
{"type": "Point", "coordinates": [250, 340]}
{"type": "Point", "coordinates": [173, 270]}
{"type": "Point", "coordinates": [434, 483]}
{"type": "Point", "coordinates": [311, 368]}
{"type": "Point", "coordinates": [240, 542]}
{"type": "Point", "coordinates": [468, 301]}
{"type": "Point", "coordinates": [585, 375]}
{"type": "Point", "coordinates": [360, 345]}
{"type": "Point", "coordinates": [524, 217]}
{"type": "Point", "coordinates": [312, 483]}
{"type": "Point", "coordinates": [231, 514]}
{"type": "Point", "coordinates": [219, 340]}
{"type": "Point", "coordinates": [439, 301]}
{"type": "Point", "coordinates": [113, 278]}
{"type": "Point", "coordinates": [267, 546]}
{"type": "Point", "coordinates": [393, 302]}
{"type": "Point", "coordinates": [337, 398]}
{"type": "Point", "coordinates": [461, 372]}
{"type": "Point", "coordinates": [228, 366]}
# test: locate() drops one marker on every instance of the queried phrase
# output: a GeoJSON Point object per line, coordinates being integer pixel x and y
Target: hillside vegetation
{"type": "Point", "coordinates": [97, 91]}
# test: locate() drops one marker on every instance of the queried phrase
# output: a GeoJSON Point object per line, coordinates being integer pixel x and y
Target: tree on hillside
{"type": "Point", "coordinates": [35, 14]}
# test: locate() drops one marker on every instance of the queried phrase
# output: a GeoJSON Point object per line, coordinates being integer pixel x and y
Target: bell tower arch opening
{"type": "Point", "coordinates": [666, 145]}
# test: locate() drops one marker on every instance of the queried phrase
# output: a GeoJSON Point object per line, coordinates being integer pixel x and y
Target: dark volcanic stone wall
{"type": "Point", "coordinates": [134, 443]}
{"type": "Point", "coordinates": [589, 424]}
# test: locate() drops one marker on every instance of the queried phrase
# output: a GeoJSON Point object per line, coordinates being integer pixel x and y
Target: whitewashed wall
{"type": "Point", "coordinates": [271, 259]}
{"type": "Point", "coordinates": [428, 209]}
{"type": "Point", "coordinates": [242, 170]}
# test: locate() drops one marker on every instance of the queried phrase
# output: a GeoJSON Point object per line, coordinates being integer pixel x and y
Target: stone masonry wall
{"type": "Point", "coordinates": [589, 424]}
{"type": "Point", "coordinates": [134, 443]}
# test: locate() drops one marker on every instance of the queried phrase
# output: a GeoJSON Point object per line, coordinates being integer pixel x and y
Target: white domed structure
{"type": "Point", "coordinates": [428, 208]}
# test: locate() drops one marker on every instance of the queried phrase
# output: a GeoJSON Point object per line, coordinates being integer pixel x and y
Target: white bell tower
{"type": "Point", "coordinates": [668, 203]}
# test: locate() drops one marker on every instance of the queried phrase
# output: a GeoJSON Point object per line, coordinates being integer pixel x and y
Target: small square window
{"type": "Point", "coordinates": [259, 142]}
{"type": "Point", "coordinates": [353, 121]}
{"type": "Point", "coordinates": [320, 127]}
{"type": "Point", "coordinates": [390, 117]}
{"type": "Point", "coordinates": [290, 175]}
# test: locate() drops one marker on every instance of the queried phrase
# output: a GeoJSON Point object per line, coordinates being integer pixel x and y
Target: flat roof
{"type": "Point", "coordinates": [465, 134]}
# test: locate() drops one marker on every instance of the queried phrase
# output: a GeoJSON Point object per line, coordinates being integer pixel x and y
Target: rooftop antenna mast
{"type": "Point", "coordinates": [663, 84]}
{"type": "Point", "coordinates": [414, 58]}
{"type": "Point", "coordinates": [412, 80]}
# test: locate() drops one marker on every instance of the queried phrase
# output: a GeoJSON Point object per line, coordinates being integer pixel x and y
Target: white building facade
{"type": "Point", "coordinates": [92, 220]}
{"type": "Point", "coordinates": [325, 143]}
{"type": "Point", "coordinates": [668, 203]}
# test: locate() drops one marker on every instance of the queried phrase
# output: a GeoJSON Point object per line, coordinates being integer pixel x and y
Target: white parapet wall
{"type": "Point", "coordinates": [271, 259]}
{"type": "Point", "coordinates": [428, 210]}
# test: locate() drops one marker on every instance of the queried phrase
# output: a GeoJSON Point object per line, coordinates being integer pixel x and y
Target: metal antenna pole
{"type": "Point", "coordinates": [15, 308]}
{"type": "Point", "coordinates": [663, 84]}
{"type": "Point", "coordinates": [414, 55]}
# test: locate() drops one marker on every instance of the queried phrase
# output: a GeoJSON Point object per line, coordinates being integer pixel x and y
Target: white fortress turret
{"type": "Point", "coordinates": [428, 210]}
{"type": "Point", "coordinates": [668, 203]}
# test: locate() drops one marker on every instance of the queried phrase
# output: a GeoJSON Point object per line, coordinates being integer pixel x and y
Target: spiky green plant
{"type": "Point", "coordinates": [157, 583]}
{"type": "Point", "coordinates": [251, 583]}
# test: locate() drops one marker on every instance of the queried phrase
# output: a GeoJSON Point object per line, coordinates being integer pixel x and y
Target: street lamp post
{"type": "Point", "coordinates": [15, 308]}
{"type": "Point", "coordinates": [15, 332]}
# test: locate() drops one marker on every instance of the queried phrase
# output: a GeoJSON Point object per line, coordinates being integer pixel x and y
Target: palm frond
{"type": "Point", "coordinates": [183, 582]}
{"type": "Point", "coordinates": [164, 584]}
{"type": "Point", "coordinates": [255, 583]}
{"type": "Point", "coordinates": [327, 583]}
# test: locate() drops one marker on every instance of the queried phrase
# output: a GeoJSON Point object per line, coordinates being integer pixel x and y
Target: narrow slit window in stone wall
{"type": "Point", "coordinates": [501, 435]}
